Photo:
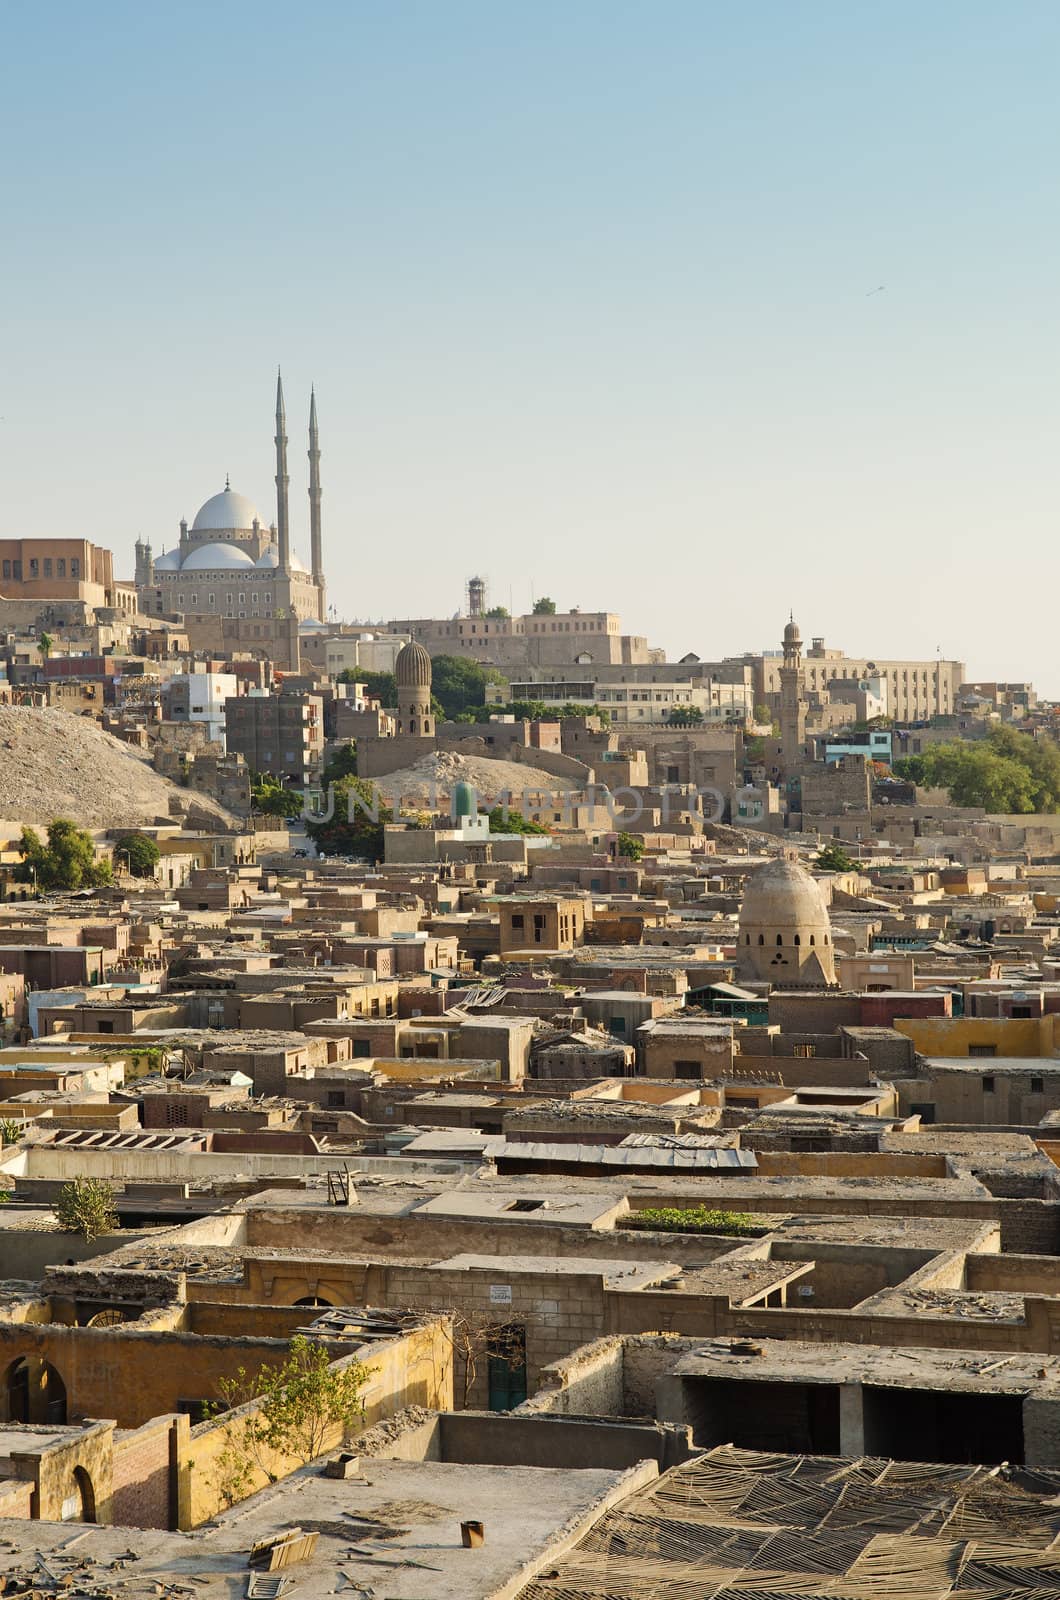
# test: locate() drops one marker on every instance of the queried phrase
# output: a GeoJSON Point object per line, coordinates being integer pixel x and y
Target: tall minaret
{"type": "Point", "coordinates": [792, 702]}
{"type": "Point", "coordinates": [282, 481]}
{"type": "Point", "coordinates": [317, 557]}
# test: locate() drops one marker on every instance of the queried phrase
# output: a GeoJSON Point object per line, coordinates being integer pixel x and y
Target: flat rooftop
{"type": "Point", "coordinates": [803, 1361]}
{"type": "Point", "coordinates": [392, 1532]}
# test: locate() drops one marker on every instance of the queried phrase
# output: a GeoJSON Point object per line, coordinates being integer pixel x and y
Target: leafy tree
{"type": "Point", "coordinates": [763, 714]}
{"type": "Point", "coordinates": [86, 1206]}
{"type": "Point", "coordinates": [67, 861]}
{"type": "Point", "coordinates": [291, 1410]}
{"type": "Point", "coordinates": [355, 826]}
{"type": "Point", "coordinates": [630, 845]}
{"type": "Point", "coordinates": [544, 607]}
{"type": "Point", "coordinates": [685, 716]}
{"type": "Point", "coordinates": [341, 763]}
{"type": "Point", "coordinates": [381, 686]}
{"type": "Point", "coordinates": [45, 644]}
{"type": "Point", "coordinates": [1008, 772]}
{"type": "Point", "coordinates": [502, 821]}
{"type": "Point", "coordinates": [11, 1131]}
{"type": "Point", "coordinates": [305, 1398]}
{"type": "Point", "coordinates": [498, 613]}
{"type": "Point", "coordinates": [269, 796]}
{"type": "Point", "coordinates": [833, 858]}
{"type": "Point", "coordinates": [140, 853]}
{"type": "Point", "coordinates": [458, 684]}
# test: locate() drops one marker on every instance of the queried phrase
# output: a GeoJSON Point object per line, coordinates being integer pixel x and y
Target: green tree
{"type": "Point", "coordinates": [460, 685]}
{"type": "Point", "coordinates": [355, 826]}
{"type": "Point", "coordinates": [86, 1206]}
{"type": "Point", "coordinates": [67, 861]}
{"type": "Point", "coordinates": [291, 1410]}
{"type": "Point", "coordinates": [140, 853]}
{"type": "Point", "coordinates": [1007, 773]}
{"type": "Point", "coordinates": [685, 716]}
{"type": "Point", "coordinates": [381, 686]}
{"type": "Point", "coordinates": [45, 644]}
{"type": "Point", "coordinates": [833, 858]}
{"type": "Point", "coordinates": [498, 613]}
{"type": "Point", "coordinates": [341, 763]}
{"type": "Point", "coordinates": [269, 796]}
{"type": "Point", "coordinates": [544, 607]}
{"type": "Point", "coordinates": [502, 821]}
{"type": "Point", "coordinates": [631, 846]}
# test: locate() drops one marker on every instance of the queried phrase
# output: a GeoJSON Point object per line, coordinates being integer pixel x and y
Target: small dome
{"type": "Point", "coordinates": [782, 895]}
{"type": "Point", "coordinates": [297, 564]}
{"type": "Point", "coordinates": [312, 625]}
{"type": "Point", "coordinates": [169, 562]}
{"type": "Point", "coordinates": [269, 557]}
{"type": "Point", "coordinates": [791, 633]}
{"type": "Point", "coordinates": [206, 557]}
{"type": "Point", "coordinates": [225, 513]}
{"type": "Point", "coordinates": [412, 669]}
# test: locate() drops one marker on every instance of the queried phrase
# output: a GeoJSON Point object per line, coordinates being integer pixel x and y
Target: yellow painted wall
{"type": "Point", "coordinates": [1010, 1036]}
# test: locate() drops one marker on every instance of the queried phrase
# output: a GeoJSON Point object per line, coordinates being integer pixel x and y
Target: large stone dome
{"type": "Point", "coordinates": [412, 669]}
{"type": "Point", "coordinates": [212, 557]}
{"type": "Point", "coordinates": [782, 894]}
{"type": "Point", "coordinates": [785, 930]}
{"type": "Point", "coordinates": [226, 512]}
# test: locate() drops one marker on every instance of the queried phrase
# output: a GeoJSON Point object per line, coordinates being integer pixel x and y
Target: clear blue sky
{"type": "Point", "coordinates": [584, 289]}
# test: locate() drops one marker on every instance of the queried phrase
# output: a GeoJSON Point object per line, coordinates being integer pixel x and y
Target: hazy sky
{"type": "Point", "coordinates": [584, 287]}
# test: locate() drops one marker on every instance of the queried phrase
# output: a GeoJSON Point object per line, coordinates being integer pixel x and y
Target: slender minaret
{"type": "Point", "coordinates": [282, 481]}
{"type": "Point", "coordinates": [317, 557]}
{"type": "Point", "coordinates": [792, 701]}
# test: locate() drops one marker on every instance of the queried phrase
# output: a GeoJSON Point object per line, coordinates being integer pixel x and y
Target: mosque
{"type": "Point", "coordinates": [785, 930]}
{"type": "Point", "coordinates": [228, 563]}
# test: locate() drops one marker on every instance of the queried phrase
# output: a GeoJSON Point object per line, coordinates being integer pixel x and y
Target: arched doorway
{"type": "Point", "coordinates": [87, 1494]}
{"type": "Point", "coordinates": [314, 1300]}
{"type": "Point", "coordinates": [34, 1391]}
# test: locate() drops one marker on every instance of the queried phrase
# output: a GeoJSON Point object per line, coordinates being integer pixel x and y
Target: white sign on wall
{"type": "Point", "coordinates": [500, 1294]}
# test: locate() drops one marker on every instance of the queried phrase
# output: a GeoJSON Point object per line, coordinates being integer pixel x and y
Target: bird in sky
{"type": "Point", "coordinates": [880, 287]}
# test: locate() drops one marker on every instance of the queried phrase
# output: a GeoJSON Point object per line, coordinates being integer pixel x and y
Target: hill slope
{"type": "Point", "coordinates": [53, 764]}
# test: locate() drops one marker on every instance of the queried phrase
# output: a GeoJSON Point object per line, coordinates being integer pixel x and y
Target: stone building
{"type": "Point", "coordinates": [785, 936]}
{"type": "Point", "coordinates": [228, 563]}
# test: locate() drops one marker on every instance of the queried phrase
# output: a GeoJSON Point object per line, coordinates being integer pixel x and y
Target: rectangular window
{"type": "Point", "coordinates": [517, 919]}
{"type": "Point", "coordinates": [1037, 1086]}
{"type": "Point", "coordinates": [33, 567]}
{"type": "Point", "coordinates": [983, 1050]}
{"type": "Point", "coordinates": [988, 1085]}
{"type": "Point", "coordinates": [75, 567]}
{"type": "Point", "coordinates": [47, 566]}
{"type": "Point", "coordinates": [60, 566]}
{"type": "Point", "coordinates": [7, 569]}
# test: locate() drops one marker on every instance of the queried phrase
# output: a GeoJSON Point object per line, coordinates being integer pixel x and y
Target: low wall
{"type": "Point", "coordinates": [587, 1383]}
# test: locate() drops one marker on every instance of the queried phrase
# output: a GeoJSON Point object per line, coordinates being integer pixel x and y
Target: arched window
{"type": "Point", "coordinates": [761, 940]}
{"type": "Point", "coordinates": [798, 938]}
{"type": "Point", "coordinates": [780, 938]}
{"type": "Point", "coordinates": [811, 938]}
{"type": "Point", "coordinates": [747, 938]}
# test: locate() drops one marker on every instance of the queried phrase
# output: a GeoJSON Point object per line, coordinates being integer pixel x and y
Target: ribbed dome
{"type": "Point", "coordinates": [226, 512]}
{"type": "Point", "coordinates": [781, 895]}
{"type": "Point", "coordinates": [168, 561]}
{"type": "Point", "coordinates": [208, 557]}
{"type": "Point", "coordinates": [412, 669]}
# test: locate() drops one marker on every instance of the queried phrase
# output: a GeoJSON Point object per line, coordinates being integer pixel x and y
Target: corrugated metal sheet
{"type": "Point", "coordinates": [665, 1157]}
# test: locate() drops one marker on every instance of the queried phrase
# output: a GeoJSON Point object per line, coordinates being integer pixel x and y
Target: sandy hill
{"type": "Point", "coordinates": [436, 773]}
{"type": "Point", "coordinates": [53, 764]}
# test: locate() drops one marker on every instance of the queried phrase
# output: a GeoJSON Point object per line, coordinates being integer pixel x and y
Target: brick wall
{"type": "Point", "coordinates": [141, 1476]}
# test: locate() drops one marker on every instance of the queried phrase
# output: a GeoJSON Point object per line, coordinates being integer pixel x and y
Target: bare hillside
{"type": "Point", "coordinates": [53, 764]}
